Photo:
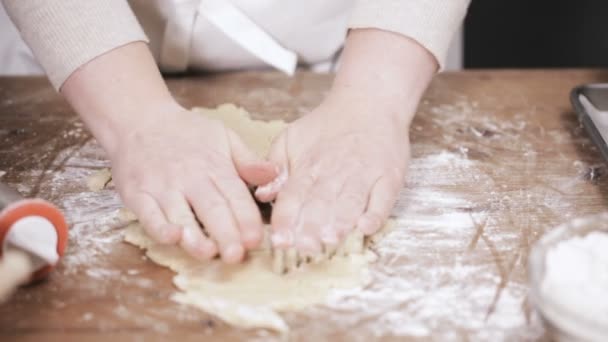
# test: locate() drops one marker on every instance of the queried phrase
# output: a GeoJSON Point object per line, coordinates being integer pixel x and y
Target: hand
{"type": "Point", "coordinates": [345, 163]}
{"type": "Point", "coordinates": [170, 167]}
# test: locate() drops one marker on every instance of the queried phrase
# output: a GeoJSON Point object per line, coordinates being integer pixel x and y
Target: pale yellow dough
{"type": "Point", "coordinates": [250, 294]}
{"type": "Point", "coordinates": [99, 179]}
{"type": "Point", "coordinates": [256, 134]}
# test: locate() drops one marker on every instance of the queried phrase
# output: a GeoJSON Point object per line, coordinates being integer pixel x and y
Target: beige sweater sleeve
{"type": "Point", "coordinates": [66, 34]}
{"type": "Point", "coordinates": [432, 23]}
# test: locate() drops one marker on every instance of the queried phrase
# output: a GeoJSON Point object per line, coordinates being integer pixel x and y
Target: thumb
{"type": "Point", "coordinates": [278, 156]}
{"type": "Point", "coordinates": [251, 168]}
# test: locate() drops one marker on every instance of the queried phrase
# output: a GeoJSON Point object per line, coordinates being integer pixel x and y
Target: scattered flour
{"type": "Point", "coordinates": [429, 282]}
{"type": "Point", "coordinates": [441, 291]}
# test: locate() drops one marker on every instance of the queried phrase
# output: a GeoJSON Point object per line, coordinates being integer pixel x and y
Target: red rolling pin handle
{"type": "Point", "coordinates": [13, 207]}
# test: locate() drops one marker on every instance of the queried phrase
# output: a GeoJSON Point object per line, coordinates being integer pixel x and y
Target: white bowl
{"type": "Point", "coordinates": [562, 322]}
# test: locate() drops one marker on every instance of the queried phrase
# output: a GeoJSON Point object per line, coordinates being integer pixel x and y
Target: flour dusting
{"type": "Point", "coordinates": [455, 268]}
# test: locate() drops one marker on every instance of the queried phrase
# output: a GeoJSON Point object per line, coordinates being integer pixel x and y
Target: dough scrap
{"type": "Point", "coordinates": [99, 179]}
{"type": "Point", "coordinates": [251, 294]}
{"type": "Point", "coordinates": [256, 134]}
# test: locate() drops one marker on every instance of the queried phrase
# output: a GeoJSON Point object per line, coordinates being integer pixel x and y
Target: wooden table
{"type": "Point", "coordinates": [498, 158]}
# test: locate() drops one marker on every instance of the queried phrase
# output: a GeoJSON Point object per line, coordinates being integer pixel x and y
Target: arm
{"type": "Point", "coordinates": [66, 34]}
{"type": "Point", "coordinates": [171, 166]}
{"type": "Point", "coordinates": [384, 69]}
{"type": "Point", "coordinates": [431, 23]}
{"type": "Point", "coordinates": [347, 159]}
{"type": "Point", "coordinates": [118, 91]}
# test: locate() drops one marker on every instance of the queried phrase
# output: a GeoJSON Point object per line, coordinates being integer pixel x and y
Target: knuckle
{"type": "Point", "coordinates": [246, 212]}
{"type": "Point", "coordinates": [236, 191]}
{"type": "Point", "coordinates": [343, 225]}
{"type": "Point", "coordinates": [128, 196]}
{"type": "Point", "coordinates": [354, 199]}
{"type": "Point", "coordinates": [302, 178]}
{"type": "Point", "coordinates": [217, 158]}
{"type": "Point", "coordinates": [150, 217]}
{"type": "Point", "coordinates": [282, 216]}
{"type": "Point", "coordinates": [181, 217]}
{"type": "Point", "coordinates": [152, 227]}
{"type": "Point", "coordinates": [146, 181]}
{"type": "Point", "coordinates": [374, 218]}
{"type": "Point", "coordinates": [213, 206]}
{"type": "Point", "coordinates": [252, 237]}
{"type": "Point", "coordinates": [395, 176]}
{"type": "Point", "coordinates": [285, 209]}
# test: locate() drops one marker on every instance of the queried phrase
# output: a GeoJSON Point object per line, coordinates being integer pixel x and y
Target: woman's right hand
{"type": "Point", "coordinates": [178, 169]}
{"type": "Point", "coordinates": [173, 168]}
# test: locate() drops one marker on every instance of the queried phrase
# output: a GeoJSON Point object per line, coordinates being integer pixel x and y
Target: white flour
{"type": "Point", "coordinates": [576, 277]}
{"type": "Point", "coordinates": [454, 270]}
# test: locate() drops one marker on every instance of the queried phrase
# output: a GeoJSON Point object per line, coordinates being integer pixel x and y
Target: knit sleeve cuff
{"type": "Point", "coordinates": [66, 34]}
{"type": "Point", "coordinates": [432, 23]}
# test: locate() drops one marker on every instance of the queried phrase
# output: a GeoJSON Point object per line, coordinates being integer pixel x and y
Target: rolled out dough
{"type": "Point", "coordinates": [99, 179]}
{"type": "Point", "coordinates": [250, 294]}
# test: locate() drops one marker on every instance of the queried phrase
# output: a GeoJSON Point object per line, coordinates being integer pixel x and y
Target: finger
{"type": "Point", "coordinates": [314, 217]}
{"type": "Point", "coordinates": [214, 212]}
{"type": "Point", "coordinates": [278, 156]}
{"type": "Point", "coordinates": [351, 203]}
{"type": "Point", "coordinates": [250, 167]}
{"type": "Point", "coordinates": [193, 241]}
{"type": "Point", "coordinates": [153, 219]}
{"type": "Point", "coordinates": [244, 210]}
{"type": "Point", "coordinates": [316, 220]}
{"type": "Point", "coordinates": [196, 244]}
{"type": "Point", "coordinates": [381, 201]}
{"type": "Point", "coordinates": [267, 193]}
{"type": "Point", "coordinates": [286, 210]}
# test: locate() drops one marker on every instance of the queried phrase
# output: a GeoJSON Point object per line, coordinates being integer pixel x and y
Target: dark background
{"type": "Point", "coordinates": [536, 33]}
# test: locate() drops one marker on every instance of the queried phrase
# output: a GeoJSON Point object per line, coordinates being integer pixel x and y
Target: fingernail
{"type": "Point", "coordinates": [192, 243]}
{"type": "Point", "coordinates": [233, 253]}
{"type": "Point", "coordinates": [263, 190]}
{"type": "Point", "coordinates": [251, 238]}
{"type": "Point", "coordinates": [278, 239]}
{"type": "Point", "coordinates": [329, 235]}
{"type": "Point", "coordinates": [209, 250]}
{"type": "Point", "coordinates": [282, 238]}
{"type": "Point", "coordinates": [171, 233]}
{"type": "Point", "coordinates": [367, 225]}
{"type": "Point", "coordinates": [189, 238]}
{"type": "Point", "coordinates": [283, 175]}
{"type": "Point", "coordinates": [308, 246]}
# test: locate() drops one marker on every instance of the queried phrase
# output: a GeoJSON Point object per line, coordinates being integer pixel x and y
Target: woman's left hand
{"type": "Point", "coordinates": [345, 163]}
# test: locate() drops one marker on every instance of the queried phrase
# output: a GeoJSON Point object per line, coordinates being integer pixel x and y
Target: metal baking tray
{"type": "Point", "coordinates": [590, 101]}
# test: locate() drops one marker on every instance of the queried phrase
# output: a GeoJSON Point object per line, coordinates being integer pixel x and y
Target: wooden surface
{"type": "Point", "coordinates": [498, 158]}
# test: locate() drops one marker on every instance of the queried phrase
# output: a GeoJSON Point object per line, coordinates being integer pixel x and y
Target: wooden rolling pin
{"type": "Point", "coordinates": [33, 236]}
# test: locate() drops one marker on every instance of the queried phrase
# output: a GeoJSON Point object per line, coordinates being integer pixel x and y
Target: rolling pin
{"type": "Point", "coordinates": [33, 236]}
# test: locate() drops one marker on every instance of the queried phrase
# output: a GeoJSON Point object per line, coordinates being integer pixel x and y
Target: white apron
{"type": "Point", "coordinates": [221, 35]}
{"type": "Point", "coordinates": [16, 58]}
{"type": "Point", "coordinates": [238, 34]}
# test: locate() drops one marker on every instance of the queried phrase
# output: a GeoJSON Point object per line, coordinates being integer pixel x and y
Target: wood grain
{"type": "Point", "coordinates": [530, 167]}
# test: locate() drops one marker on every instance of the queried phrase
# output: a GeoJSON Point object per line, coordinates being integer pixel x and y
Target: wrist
{"type": "Point", "coordinates": [112, 127]}
{"type": "Point", "coordinates": [118, 91]}
{"type": "Point", "coordinates": [375, 103]}
{"type": "Point", "coordinates": [386, 70]}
